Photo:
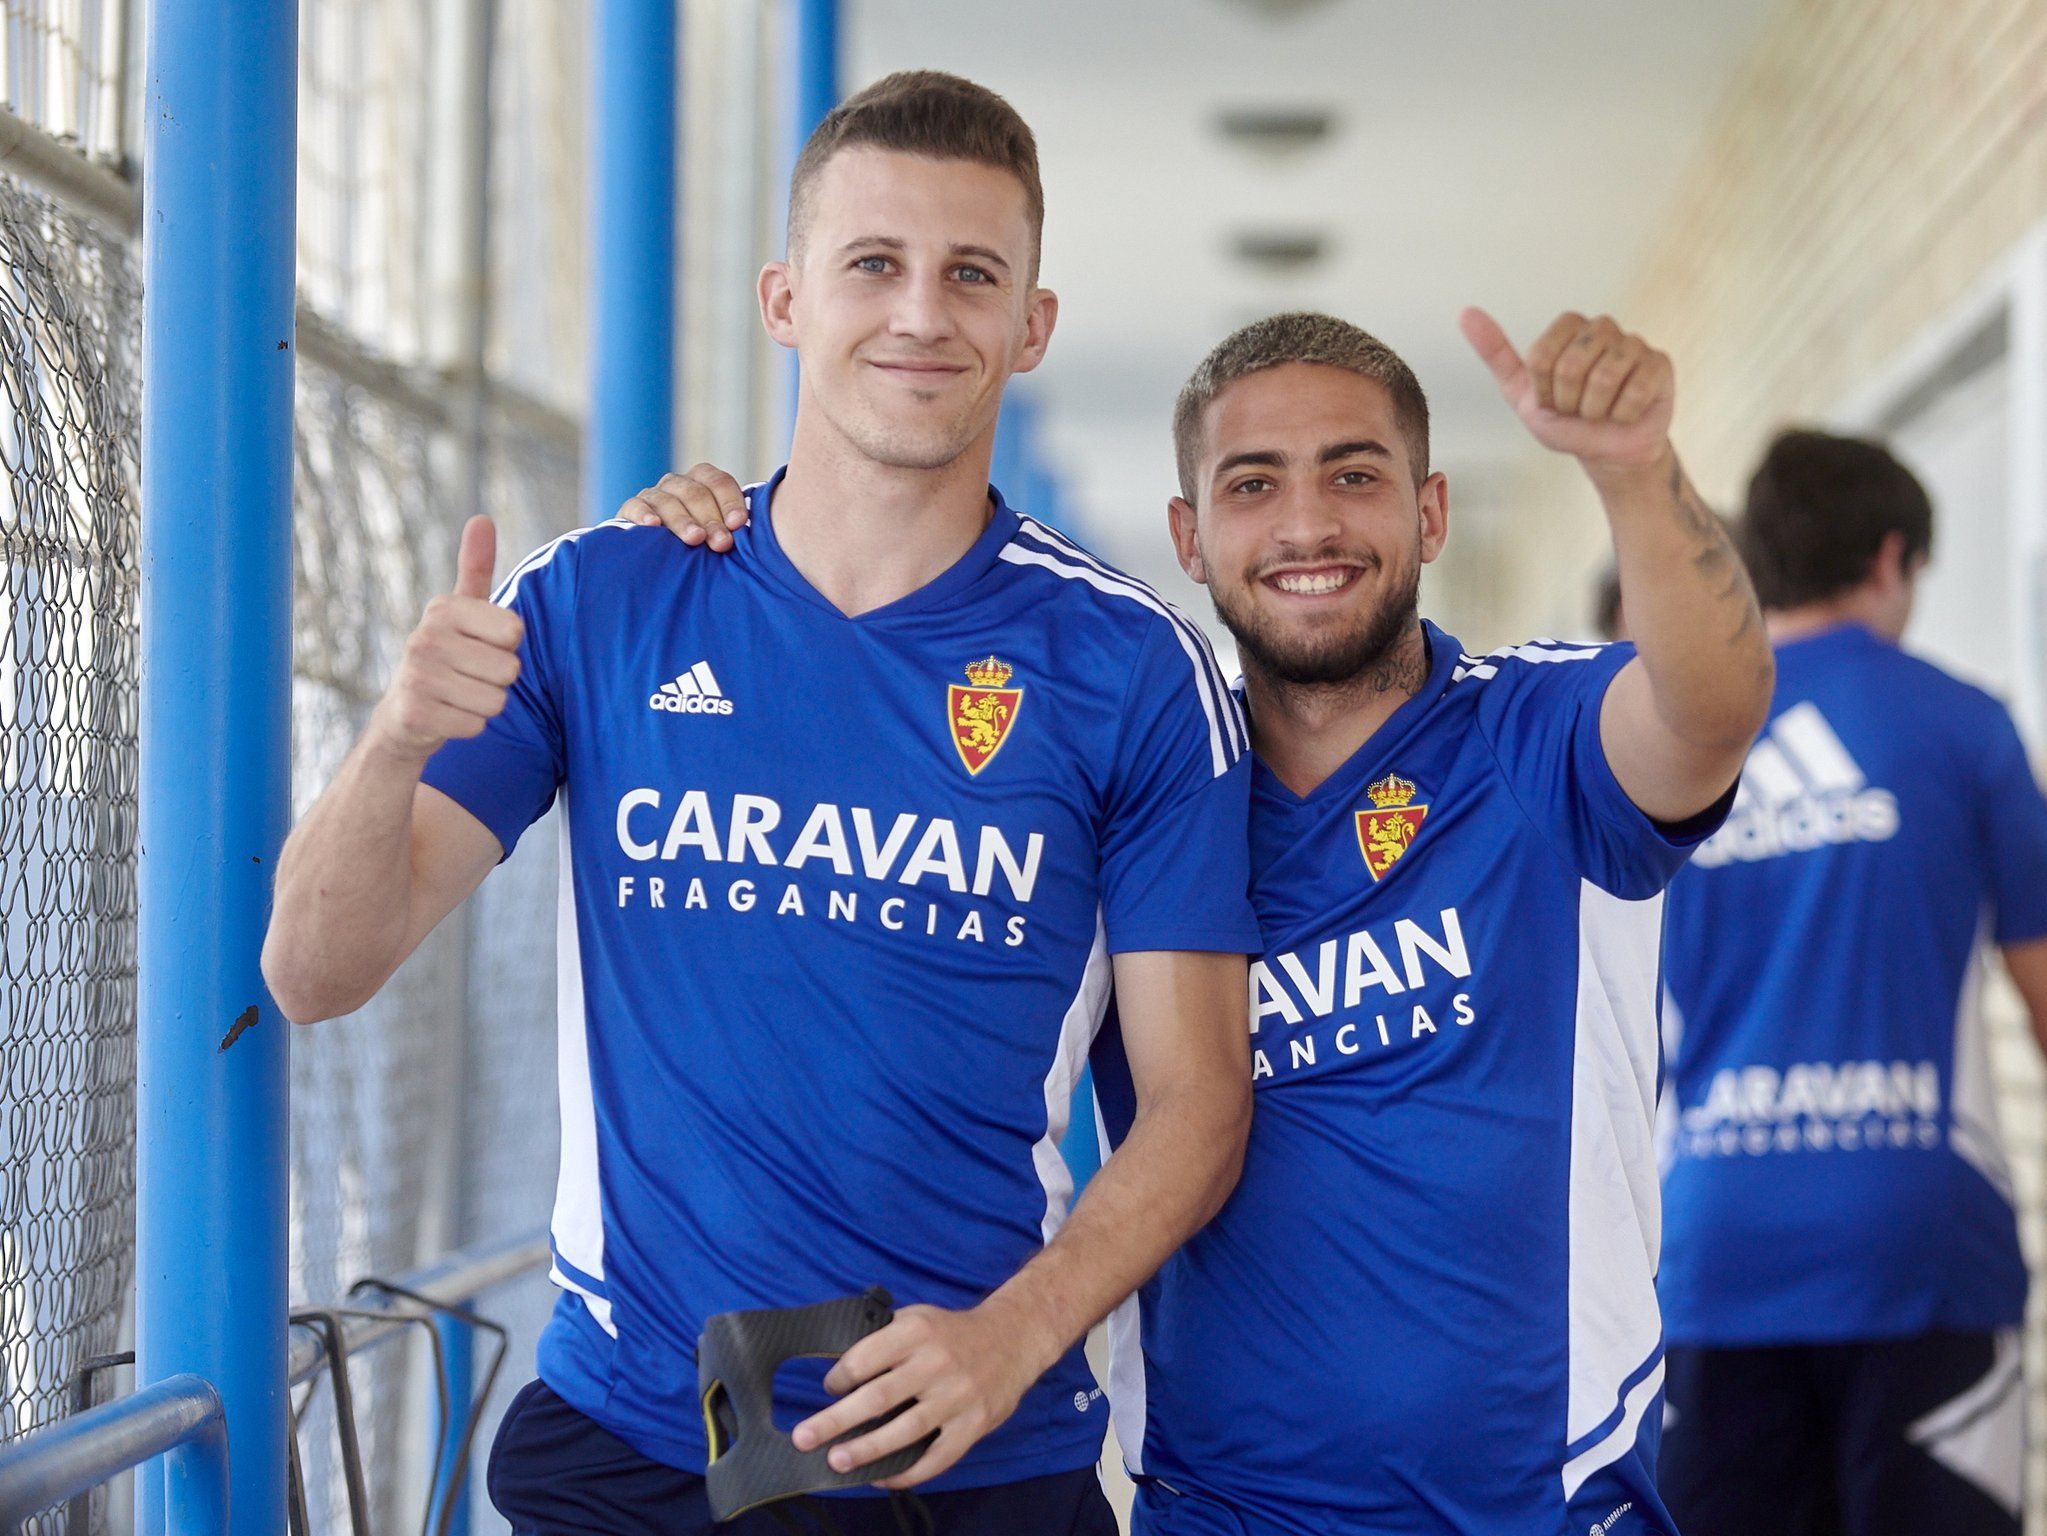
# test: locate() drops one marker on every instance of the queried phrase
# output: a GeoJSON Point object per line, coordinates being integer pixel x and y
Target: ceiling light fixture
{"type": "Point", "coordinates": [1280, 10]}
{"type": "Point", "coordinates": [1279, 252]}
{"type": "Point", "coordinates": [1273, 129]}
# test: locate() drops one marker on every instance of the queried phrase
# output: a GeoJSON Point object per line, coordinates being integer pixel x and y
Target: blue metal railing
{"type": "Point", "coordinates": [179, 1419]}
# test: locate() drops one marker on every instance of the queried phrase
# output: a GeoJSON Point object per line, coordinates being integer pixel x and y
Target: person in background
{"type": "Point", "coordinates": [1842, 1286]}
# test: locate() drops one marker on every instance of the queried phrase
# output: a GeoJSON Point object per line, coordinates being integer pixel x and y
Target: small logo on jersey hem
{"type": "Point", "coordinates": [1387, 831]}
{"type": "Point", "coordinates": [1612, 1520]}
{"type": "Point", "coordinates": [694, 692]}
{"type": "Point", "coordinates": [981, 715]}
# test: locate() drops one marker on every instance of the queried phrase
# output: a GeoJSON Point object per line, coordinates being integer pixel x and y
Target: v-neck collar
{"type": "Point", "coordinates": [1343, 783]}
{"type": "Point", "coordinates": [942, 588]}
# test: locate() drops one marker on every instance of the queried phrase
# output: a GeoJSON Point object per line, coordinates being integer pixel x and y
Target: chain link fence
{"type": "Point", "coordinates": [70, 322]}
{"type": "Point", "coordinates": [421, 1122]}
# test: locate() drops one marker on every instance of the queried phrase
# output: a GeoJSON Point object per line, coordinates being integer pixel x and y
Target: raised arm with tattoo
{"type": "Point", "coordinates": [1679, 719]}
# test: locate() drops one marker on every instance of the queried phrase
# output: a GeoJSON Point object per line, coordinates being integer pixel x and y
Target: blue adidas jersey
{"type": "Point", "coordinates": [1429, 1306]}
{"type": "Point", "coordinates": [1834, 1165]}
{"type": "Point", "coordinates": [839, 896]}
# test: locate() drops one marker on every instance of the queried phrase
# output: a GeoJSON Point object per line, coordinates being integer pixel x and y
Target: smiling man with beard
{"type": "Point", "coordinates": [1430, 1305]}
{"type": "Point", "coordinates": [1429, 1309]}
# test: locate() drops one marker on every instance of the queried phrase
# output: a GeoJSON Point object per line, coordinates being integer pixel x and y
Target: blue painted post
{"type": "Point", "coordinates": [630, 438]}
{"type": "Point", "coordinates": [814, 68]}
{"type": "Point", "coordinates": [458, 1355]}
{"type": "Point", "coordinates": [218, 236]}
{"type": "Point", "coordinates": [812, 46]}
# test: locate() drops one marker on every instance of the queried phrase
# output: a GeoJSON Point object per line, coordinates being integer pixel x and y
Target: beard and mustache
{"type": "Point", "coordinates": [1329, 656]}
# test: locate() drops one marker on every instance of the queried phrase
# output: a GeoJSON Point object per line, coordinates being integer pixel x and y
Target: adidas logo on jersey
{"type": "Point", "coordinates": [695, 692]}
{"type": "Point", "coordinates": [1800, 790]}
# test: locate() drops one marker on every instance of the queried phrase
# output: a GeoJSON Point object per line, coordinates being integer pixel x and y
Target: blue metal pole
{"type": "Point", "coordinates": [458, 1354]}
{"type": "Point", "coordinates": [812, 44]}
{"type": "Point", "coordinates": [813, 68]}
{"type": "Point", "coordinates": [630, 439]}
{"type": "Point", "coordinates": [218, 237]}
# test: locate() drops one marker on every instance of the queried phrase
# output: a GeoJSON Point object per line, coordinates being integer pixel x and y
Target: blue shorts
{"type": "Point", "coordinates": [557, 1472]}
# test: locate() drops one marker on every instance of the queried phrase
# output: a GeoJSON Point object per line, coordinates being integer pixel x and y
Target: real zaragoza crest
{"type": "Point", "coordinates": [983, 713]}
{"type": "Point", "coordinates": [1385, 832]}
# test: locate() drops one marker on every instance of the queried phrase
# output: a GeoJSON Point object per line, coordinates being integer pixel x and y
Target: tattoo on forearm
{"type": "Point", "coordinates": [1714, 558]}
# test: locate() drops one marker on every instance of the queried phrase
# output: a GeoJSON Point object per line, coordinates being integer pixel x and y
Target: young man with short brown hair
{"type": "Point", "coordinates": [858, 825]}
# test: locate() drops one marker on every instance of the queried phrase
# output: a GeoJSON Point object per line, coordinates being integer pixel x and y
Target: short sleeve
{"type": "Point", "coordinates": [2014, 821]}
{"type": "Point", "coordinates": [1175, 855]}
{"type": "Point", "coordinates": [1540, 715]}
{"type": "Point", "coordinates": [506, 777]}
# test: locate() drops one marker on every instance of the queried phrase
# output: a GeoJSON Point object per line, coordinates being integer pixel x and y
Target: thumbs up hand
{"type": "Point", "coordinates": [451, 681]}
{"type": "Point", "coordinates": [1587, 388]}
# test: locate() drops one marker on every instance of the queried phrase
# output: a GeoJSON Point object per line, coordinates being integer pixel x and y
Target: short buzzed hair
{"type": "Point", "coordinates": [924, 112]}
{"type": "Point", "coordinates": [1300, 336]}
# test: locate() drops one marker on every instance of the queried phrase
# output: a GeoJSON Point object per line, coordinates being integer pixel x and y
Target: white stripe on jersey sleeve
{"type": "Point", "coordinates": [1059, 544]}
{"type": "Point", "coordinates": [1488, 665]}
{"type": "Point", "coordinates": [1223, 748]}
{"type": "Point", "coordinates": [509, 589]}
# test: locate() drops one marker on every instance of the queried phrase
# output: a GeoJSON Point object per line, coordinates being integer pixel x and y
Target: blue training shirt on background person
{"type": "Point", "coordinates": [1430, 1303]}
{"type": "Point", "coordinates": [838, 901]}
{"type": "Point", "coordinates": [1835, 1172]}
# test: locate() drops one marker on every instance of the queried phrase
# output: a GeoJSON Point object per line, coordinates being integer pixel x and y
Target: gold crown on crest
{"type": "Point", "coordinates": [990, 673]}
{"type": "Point", "coordinates": [1391, 791]}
